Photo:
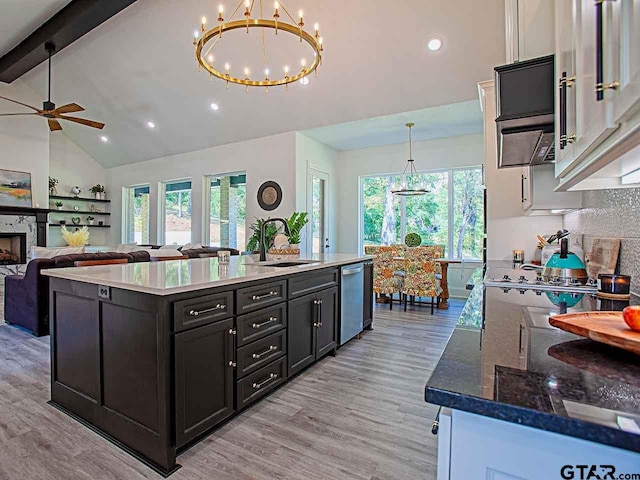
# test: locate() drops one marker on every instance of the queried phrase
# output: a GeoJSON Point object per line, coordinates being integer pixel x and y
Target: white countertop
{"type": "Point", "coordinates": [178, 276]}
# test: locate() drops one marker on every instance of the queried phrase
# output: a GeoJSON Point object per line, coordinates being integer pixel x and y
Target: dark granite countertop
{"type": "Point", "coordinates": [510, 364]}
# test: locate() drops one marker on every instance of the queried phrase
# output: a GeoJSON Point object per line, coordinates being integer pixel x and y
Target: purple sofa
{"type": "Point", "coordinates": [26, 297]}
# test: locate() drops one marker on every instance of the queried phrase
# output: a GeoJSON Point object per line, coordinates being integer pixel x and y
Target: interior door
{"type": "Point", "coordinates": [318, 206]}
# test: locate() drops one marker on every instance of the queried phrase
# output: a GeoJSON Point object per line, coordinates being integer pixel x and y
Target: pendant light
{"type": "Point", "coordinates": [411, 184]}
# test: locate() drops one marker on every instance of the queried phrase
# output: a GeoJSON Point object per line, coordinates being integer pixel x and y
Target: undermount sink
{"type": "Point", "coordinates": [286, 264]}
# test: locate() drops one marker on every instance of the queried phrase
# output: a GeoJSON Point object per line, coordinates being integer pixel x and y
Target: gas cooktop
{"type": "Point", "coordinates": [539, 284]}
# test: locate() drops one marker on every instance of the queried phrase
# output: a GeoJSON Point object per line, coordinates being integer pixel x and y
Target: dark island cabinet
{"type": "Point", "coordinates": [312, 330]}
{"type": "Point", "coordinates": [367, 310]}
{"type": "Point", "coordinates": [301, 332]}
{"type": "Point", "coordinates": [204, 376]}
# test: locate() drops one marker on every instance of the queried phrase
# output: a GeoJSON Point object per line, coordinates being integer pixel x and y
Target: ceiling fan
{"type": "Point", "coordinates": [49, 110]}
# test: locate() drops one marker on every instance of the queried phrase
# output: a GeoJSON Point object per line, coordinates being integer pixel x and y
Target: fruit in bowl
{"type": "Point", "coordinates": [631, 316]}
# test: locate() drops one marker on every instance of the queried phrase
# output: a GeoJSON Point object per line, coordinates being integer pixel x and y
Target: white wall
{"type": "Point", "coordinates": [315, 155]}
{"type": "Point", "coordinates": [24, 140]}
{"type": "Point", "coordinates": [438, 154]}
{"type": "Point", "coordinates": [507, 226]}
{"type": "Point", "coordinates": [73, 166]}
{"type": "Point", "coordinates": [267, 158]}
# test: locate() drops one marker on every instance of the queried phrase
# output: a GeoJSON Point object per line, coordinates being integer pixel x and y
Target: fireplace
{"type": "Point", "coordinates": [13, 248]}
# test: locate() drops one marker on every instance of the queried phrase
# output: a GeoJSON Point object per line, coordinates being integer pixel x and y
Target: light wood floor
{"type": "Point", "coordinates": [360, 415]}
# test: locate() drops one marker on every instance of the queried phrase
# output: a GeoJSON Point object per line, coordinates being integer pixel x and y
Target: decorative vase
{"type": "Point", "coordinates": [53, 191]}
{"type": "Point", "coordinates": [59, 208]}
{"type": "Point", "coordinates": [90, 222]}
{"type": "Point", "coordinates": [103, 195]}
{"type": "Point", "coordinates": [75, 191]}
{"type": "Point", "coordinates": [98, 196]}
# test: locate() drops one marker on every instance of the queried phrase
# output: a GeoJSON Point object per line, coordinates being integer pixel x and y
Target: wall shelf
{"type": "Point", "coordinates": [77, 199]}
{"type": "Point", "coordinates": [79, 225]}
{"type": "Point", "coordinates": [87, 212]}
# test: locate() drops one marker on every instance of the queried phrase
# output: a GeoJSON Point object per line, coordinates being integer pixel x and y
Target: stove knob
{"type": "Point", "coordinates": [575, 295]}
{"type": "Point", "coordinates": [539, 279]}
{"type": "Point", "coordinates": [539, 293]}
{"type": "Point", "coordinates": [506, 290]}
{"type": "Point", "coordinates": [522, 291]}
{"type": "Point", "coordinates": [556, 280]}
{"type": "Point", "coordinates": [506, 278]}
{"type": "Point", "coordinates": [522, 279]}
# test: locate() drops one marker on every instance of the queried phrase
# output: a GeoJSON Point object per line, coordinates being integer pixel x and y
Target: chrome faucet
{"type": "Point", "coordinates": [263, 249]}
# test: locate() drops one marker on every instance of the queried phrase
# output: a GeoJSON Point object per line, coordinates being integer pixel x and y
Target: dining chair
{"type": "Point", "coordinates": [385, 280]}
{"type": "Point", "coordinates": [91, 263]}
{"type": "Point", "coordinates": [420, 278]}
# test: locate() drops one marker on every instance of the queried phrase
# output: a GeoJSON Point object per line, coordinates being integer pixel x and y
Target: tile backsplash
{"type": "Point", "coordinates": [611, 214]}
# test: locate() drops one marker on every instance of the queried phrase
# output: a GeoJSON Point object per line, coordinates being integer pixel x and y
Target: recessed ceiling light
{"type": "Point", "coordinates": [215, 107]}
{"type": "Point", "coordinates": [304, 81]}
{"type": "Point", "coordinates": [151, 124]}
{"type": "Point", "coordinates": [434, 44]}
{"type": "Point", "coordinates": [104, 139]}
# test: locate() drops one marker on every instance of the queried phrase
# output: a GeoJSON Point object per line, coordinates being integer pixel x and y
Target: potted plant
{"type": "Point", "coordinates": [52, 186]}
{"type": "Point", "coordinates": [58, 204]}
{"type": "Point", "coordinates": [296, 223]}
{"type": "Point", "coordinates": [253, 245]}
{"type": "Point", "coordinates": [90, 220]}
{"type": "Point", "coordinates": [99, 191]}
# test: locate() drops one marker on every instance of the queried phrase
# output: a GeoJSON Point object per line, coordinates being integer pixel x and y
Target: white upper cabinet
{"type": "Point", "coordinates": [598, 94]}
{"type": "Point", "coordinates": [625, 56]}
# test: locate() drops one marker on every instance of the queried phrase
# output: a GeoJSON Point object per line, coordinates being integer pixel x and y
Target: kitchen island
{"type": "Point", "coordinates": [524, 400]}
{"type": "Point", "coordinates": [155, 356]}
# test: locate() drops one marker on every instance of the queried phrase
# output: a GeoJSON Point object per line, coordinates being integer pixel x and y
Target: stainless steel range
{"type": "Point", "coordinates": [539, 285]}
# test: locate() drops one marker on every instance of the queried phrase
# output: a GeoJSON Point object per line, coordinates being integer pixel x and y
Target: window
{"type": "Point", "coordinates": [177, 212]}
{"type": "Point", "coordinates": [452, 214]}
{"type": "Point", "coordinates": [227, 207]}
{"type": "Point", "coordinates": [136, 214]}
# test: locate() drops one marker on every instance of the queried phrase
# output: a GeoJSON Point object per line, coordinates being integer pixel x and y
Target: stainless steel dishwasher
{"type": "Point", "coordinates": [352, 298]}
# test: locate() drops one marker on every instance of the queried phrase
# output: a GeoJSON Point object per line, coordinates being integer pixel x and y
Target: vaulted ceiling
{"type": "Point", "coordinates": [139, 66]}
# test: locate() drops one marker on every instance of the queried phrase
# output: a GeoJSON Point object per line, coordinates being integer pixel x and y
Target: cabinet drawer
{"type": "Point", "coordinates": [261, 352]}
{"type": "Point", "coordinates": [320, 279]}
{"type": "Point", "coordinates": [199, 311]}
{"type": "Point", "coordinates": [261, 382]}
{"type": "Point", "coordinates": [260, 296]}
{"type": "Point", "coordinates": [259, 324]}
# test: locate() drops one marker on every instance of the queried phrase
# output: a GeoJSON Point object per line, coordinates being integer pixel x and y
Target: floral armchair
{"type": "Point", "coordinates": [385, 280]}
{"type": "Point", "coordinates": [420, 273]}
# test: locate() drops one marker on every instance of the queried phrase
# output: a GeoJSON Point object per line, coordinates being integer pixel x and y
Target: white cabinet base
{"type": "Point", "coordinates": [475, 447]}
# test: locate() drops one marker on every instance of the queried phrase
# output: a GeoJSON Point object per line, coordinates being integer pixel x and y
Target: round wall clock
{"type": "Point", "coordinates": [269, 195]}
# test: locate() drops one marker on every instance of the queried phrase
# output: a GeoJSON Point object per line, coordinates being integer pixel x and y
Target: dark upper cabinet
{"type": "Point", "coordinates": [204, 378]}
{"type": "Point", "coordinates": [301, 350]}
{"type": "Point", "coordinates": [312, 330]}
{"type": "Point", "coordinates": [367, 310]}
{"type": "Point", "coordinates": [326, 326]}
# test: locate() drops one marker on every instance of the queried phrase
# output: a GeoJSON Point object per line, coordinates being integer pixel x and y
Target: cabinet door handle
{"type": "Point", "coordinates": [271, 348]}
{"type": "Point", "coordinates": [523, 178]}
{"type": "Point", "coordinates": [261, 384]}
{"type": "Point", "coordinates": [520, 339]}
{"type": "Point", "coordinates": [563, 110]}
{"type": "Point", "coordinates": [232, 364]}
{"type": "Point", "coordinates": [601, 86]}
{"type": "Point", "coordinates": [232, 331]}
{"type": "Point", "coordinates": [262, 297]}
{"type": "Point", "coordinates": [195, 313]}
{"type": "Point", "coordinates": [260, 325]}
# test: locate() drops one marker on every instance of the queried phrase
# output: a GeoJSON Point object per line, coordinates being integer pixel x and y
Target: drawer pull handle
{"type": "Point", "coordinates": [260, 325]}
{"type": "Point", "coordinates": [262, 297]}
{"type": "Point", "coordinates": [232, 331]}
{"type": "Point", "coordinates": [258, 386]}
{"type": "Point", "coordinates": [266, 352]}
{"type": "Point", "coordinates": [195, 313]}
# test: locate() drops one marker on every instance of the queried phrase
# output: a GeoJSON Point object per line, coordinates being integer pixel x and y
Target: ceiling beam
{"type": "Point", "coordinates": [73, 21]}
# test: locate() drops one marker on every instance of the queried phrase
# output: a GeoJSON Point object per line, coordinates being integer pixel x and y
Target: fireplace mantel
{"type": "Point", "coordinates": [42, 218]}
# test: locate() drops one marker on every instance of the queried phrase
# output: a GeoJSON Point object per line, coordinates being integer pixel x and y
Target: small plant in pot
{"type": "Point", "coordinates": [296, 223]}
{"type": "Point", "coordinates": [99, 191]}
{"type": "Point", "coordinates": [52, 186]}
{"type": "Point", "coordinates": [58, 204]}
{"type": "Point", "coordinates": [90, 220]}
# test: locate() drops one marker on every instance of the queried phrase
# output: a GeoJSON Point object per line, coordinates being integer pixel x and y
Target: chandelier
{"type": "Point", "coordinates": [205, 40]}
{"type": "Point", "coordinates": [411, 184]}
